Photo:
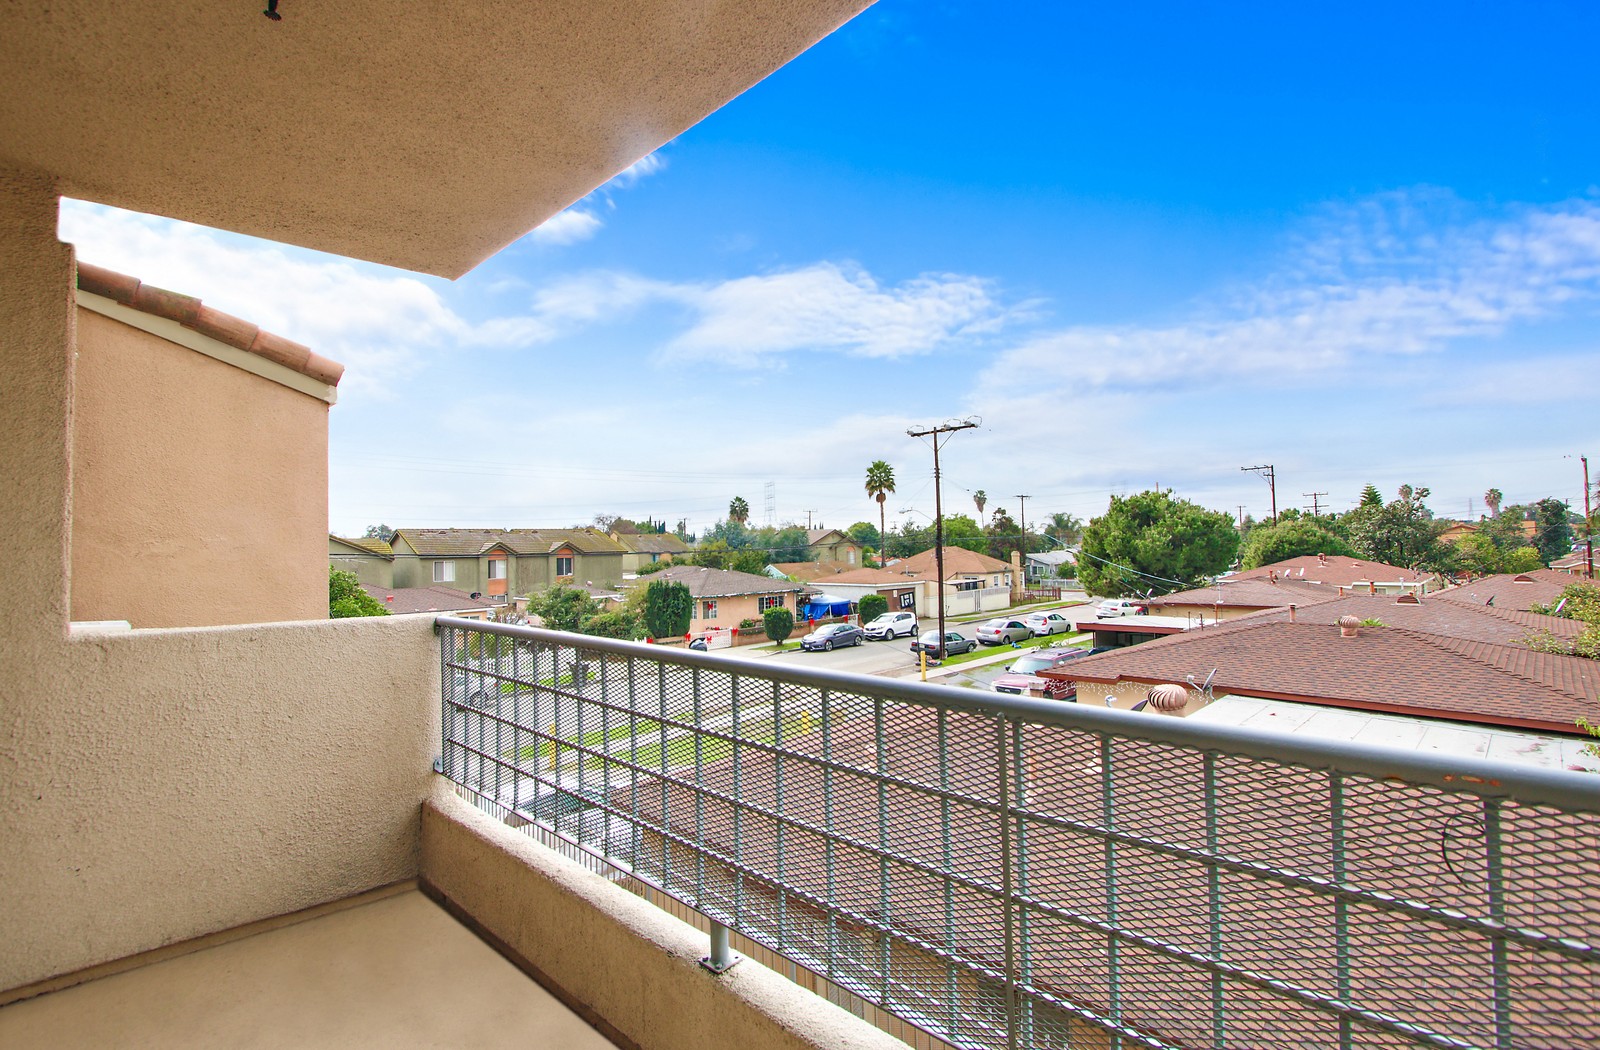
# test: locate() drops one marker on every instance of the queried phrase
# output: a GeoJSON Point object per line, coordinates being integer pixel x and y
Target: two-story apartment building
{"type": "Point", "coordinates": [505, 562]}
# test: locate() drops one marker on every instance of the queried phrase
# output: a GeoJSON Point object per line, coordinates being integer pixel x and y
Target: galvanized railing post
{"type": "Point", "coordinates": [1219, 1030]}
{"type": "Point", "coordinates": [721, 958]}
{"type": "Point", "coordinates": [1341, 908]}
{"type": "Point", "coordinates": [1007, 889]}
{"type": "Point", "coordinates": [1494, 864]}
{"type": "Point", "coordinates": [1108, 819]}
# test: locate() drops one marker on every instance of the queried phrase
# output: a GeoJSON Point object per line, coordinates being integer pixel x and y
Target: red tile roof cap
{"type": "Point", "coordinates": [193, 314]}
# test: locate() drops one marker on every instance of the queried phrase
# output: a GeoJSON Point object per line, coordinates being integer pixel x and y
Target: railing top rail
{"type": "Point", "coordinates": [1564, 788]}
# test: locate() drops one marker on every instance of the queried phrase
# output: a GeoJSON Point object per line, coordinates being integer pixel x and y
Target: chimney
{"type": "Point", "coordinates": [1272, 574]}
{"type": "Point", "coordinates": [1349, 627]}
{"type": "Point", "coordinates": [1291, 612]}
{"type": "Point", "coordinates": [390, 598]}
{"type": "Point", "coordinates": [1322, 559]}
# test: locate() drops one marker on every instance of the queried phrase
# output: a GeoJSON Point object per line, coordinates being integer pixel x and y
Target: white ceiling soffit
{"type": "Point", "coordinates": [426, 136]}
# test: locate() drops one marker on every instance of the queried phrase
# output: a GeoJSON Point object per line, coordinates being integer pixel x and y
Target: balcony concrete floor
{"type": "Point", "coordinates": [395, 972]}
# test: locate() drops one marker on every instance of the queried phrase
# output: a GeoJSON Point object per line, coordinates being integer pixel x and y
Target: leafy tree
{"type": "Point", "coordinates": [1290, 539]}
{"type": "Point", "coordinates": [1523, 559]}
{"type": "Point", "coordinates": [981, 498]}
{"type": "Point", "coordinates": [1578, 601]}
{"type": "Point", "coordinates": [1477, 554]}
{"type": "Point", "coordinates": [1504, 531]}
{"type": "Point", "coordinates": [1553, 536]}
{"type": "Point", "coordinates": [751, 561]}
{"type": "Point", "coordinates": [871, 607]}
{"type": "Point", "coordinates": [655, 566]}
{"type": "Point", "coordinates": [962, 531]}
{"type": "Point", "coordinates": [378, 532]}
{"type": "Point", "coordinates": [739, 510]}
{"type": "Point", "coordinates": [668, 608]}
{"type": "Point", "coordinates": [788, 544]}
{"type": "Point", "coordinates": [1492, 500]}
{"type": "Point", "coordinates": [880, 483]}
{"type": "Point", "coordinates": [712, 554]}
{"type": "Point", "coordinates": [1402, 532]}
{"type": "Point", "coordinates": [866, 534]}
{"type": "Point", "coordinates": [1153, 533]}
{"type": "Point", "coordinates": [1371, 497]}
{"type": "Point", "coordinates": [346, 598]}
{"type": "Point", "coordinates": [1003, 535]}
{"type": "Point", "coordinates": [563, 608]}
{"type": "Point", "coordinates": [778, 623]}
{"type": "Point", "coordinates": [619, 623]}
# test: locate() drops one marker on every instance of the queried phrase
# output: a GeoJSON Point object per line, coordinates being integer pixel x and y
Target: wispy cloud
{"type": "Point", "coordinates": [579, 222]}
{"type": "Point", "coordinates": [1398, 275]}
{"type": "Point", "coordinates": [567, 227]}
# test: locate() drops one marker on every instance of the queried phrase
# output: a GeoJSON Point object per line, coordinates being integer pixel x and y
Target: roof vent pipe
{"type": "Point", "coordinates": [1291, 612]}
{"type": "Point", "coordinates": [1349, 627]}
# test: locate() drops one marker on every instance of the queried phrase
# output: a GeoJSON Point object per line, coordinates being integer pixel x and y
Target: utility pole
{"type": "Point", "coordinates": [1241, 517]}
{"type": "Point", "coordinates": [938, 506]}
{"type": "Point", "coordinates": [1588, 523]}
{"type": "Point", "coordinates": [1315, 506]}
{"type": "Point", "coordinates": [808, 519]}
{"type": "Point", "coordinates": [1022, 512]}
{"type": "Point", "coordinates": [1266, 471]}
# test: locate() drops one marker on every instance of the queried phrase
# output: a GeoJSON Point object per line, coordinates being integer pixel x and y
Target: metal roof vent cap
{"type": "Point", "coordinates": [1349, 626]}
{"type": "Point", "coordinates": [1167, 698]}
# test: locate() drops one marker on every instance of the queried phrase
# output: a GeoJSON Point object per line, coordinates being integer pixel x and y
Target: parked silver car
{"type": "Point", "coordinates": [1043, 624]}
{"type": "Point", "coordinates": [1005, 629]}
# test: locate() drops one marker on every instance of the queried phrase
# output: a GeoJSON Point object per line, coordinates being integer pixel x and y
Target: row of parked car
{"type": "Point", "coordinates": [1001, 631]}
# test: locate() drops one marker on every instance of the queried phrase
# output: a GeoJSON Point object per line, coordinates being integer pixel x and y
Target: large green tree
{"type": "Point", "coordinates": [563, 608]}
{"type": "Point", "coordinates": [1553, 535]}
{"type": "Point", "coordinates": [1402, 532]}
{"type": "Point", "coordinates": [668, 608]}
{"type": "Point", "coordinates": [1290, 539]}
{"type": "Point", "coordinates": [880, 483]}
{"type": "Point", "coordinates": [347, 599]}
{"type": "Point", "coordinates": [1151, 541]}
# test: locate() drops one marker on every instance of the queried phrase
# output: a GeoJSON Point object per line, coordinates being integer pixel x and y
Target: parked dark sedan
{"type": "Point", "coordinates": [832, 636]}
{"type": "Point", "coordinates": [955, 643]}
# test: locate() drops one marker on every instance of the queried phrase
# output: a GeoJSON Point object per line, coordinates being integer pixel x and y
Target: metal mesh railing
{"type": "Point", "coordinates": [1006, 872]}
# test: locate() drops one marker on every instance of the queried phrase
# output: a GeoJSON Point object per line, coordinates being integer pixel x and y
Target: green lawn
{"type": "Point", "coordinates": [1032, 643]}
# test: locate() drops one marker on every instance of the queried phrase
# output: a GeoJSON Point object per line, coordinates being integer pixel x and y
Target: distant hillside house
{"type": "Point", "coordinates": [833, 545]}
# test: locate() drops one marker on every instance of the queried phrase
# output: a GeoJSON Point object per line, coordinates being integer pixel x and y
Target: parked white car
{"type": "Point", "coordinates": [1047, 623]}
{"type": "Point", "coordinates": [1117, 607]}
{"type": "Point", "coordinates": [901, 624]}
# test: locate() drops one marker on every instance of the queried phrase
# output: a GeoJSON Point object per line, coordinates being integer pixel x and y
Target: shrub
{"type": "Point", "coordinates": [668, 608]}
{"type": "Point", "coordinates": [778, 623]}
{"type": "Point", "coordinates": [872, 606]}
{"type": "Point", "coordinates": [751, 623]}
{"type": "Point", "coordinates": [346, 598]}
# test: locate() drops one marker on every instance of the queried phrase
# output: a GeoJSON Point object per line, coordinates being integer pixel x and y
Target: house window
{"type": "Point", "coordinates": [564, 566]}
{"type": "Point", "coordinates": [770, 601]}
{"type": "Point", "coordinates": [708, 610]}
{"type": "Point", "coordinates": [654, 558]}
{"type": "Point", "coordinates": [497, 568]}
{"type": "Point", "coordinates": [444, 572]}
{"type": "Point", "coordinates": [852, 555]}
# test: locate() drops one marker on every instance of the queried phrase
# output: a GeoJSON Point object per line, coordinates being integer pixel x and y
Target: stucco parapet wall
{"type": "Point", "coordinates": [192, 314]}
{"type": "Point", "coordinates": [616, 955]}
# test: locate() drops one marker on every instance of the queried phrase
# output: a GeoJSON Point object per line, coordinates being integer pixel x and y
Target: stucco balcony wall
{"type": "Point", "coordinates": [165, 784]}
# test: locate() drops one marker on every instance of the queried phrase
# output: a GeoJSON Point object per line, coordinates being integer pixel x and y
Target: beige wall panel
{"type": "Point", "coordinates": [200, 491]}
{"type": "Point", "coordinates": [161, 785]}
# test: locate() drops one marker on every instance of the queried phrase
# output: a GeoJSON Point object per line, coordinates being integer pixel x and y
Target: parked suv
{"type": "Point", "coordinates": [955, 643]}
{"type": "Point", "coordinates": [1005, 629]}
{"type": "Point", "coordinates": [892, 625]}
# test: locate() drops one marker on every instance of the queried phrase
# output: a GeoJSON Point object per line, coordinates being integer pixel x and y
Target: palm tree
{"type": "Point", "coordinates": [1492, 498]}
{"type": "Point", "coordinates": [739, 510]}
{"type": "Point", "coordinates": [1065, 527]}
{"type": "Point", "coordinates": [980, 498]}
{"type": "Point", "coordinates": [880, 482]}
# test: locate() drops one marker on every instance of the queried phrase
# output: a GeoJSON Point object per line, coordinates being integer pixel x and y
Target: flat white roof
{"type": "Point", "coordinates": [1459, 739]}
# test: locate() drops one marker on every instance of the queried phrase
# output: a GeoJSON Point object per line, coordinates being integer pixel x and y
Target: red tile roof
{"type": "Point", "coordinates": [193, 314]}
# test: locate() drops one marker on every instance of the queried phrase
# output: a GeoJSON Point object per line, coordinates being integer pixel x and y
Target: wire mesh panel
{"type": "Point", "coordinates": [1004, 873]}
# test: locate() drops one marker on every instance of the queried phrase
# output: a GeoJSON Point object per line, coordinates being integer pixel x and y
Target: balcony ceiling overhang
{"type": "Point", "coordinates": [426, 136]}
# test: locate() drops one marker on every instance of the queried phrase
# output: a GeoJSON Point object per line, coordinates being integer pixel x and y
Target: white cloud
{"type": "Point", "coordinates": [1388, 277]}
{"type": "Point", "coordinates": [566, 227]}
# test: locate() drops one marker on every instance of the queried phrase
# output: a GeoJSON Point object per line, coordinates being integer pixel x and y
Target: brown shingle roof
{"type": "Point", "coordinates": [1447, 619]}
{"type": "Point", "coordinates": [1512, 590]}
{"type": "Point", "coordinates": [957, 560]}
{"type": "Point", "coordinates": [469, 543]}
{"type": "Point", "coordinates": [1252, 593]}
{"type": "Point", "coordinates": [1381, 669]}
{"type": "Point", "coordinates": [193, 314]}
{"type": "Point", "coordinates": [372, 545]}
{"type": "Point", "coordinates": [723, 583]}
{"type": "Point", "coordinates": [809, 571]}
{"type": "Point", "coordinates": [1335, 570]}
{"type": "Point", "coordinates": [651, 542]}
{"type": "Point", "coordinates": [402, 600]}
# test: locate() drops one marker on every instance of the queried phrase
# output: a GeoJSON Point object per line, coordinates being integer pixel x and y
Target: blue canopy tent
{"type": "Point", "coordinates": [821, 606]}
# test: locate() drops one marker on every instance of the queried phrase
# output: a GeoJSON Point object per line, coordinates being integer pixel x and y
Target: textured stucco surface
{"type": "Point", "coordinates": [398, 972]}
{"type": "Point", "coordinates": [421, 135]}
{"type": "Point", "coordinates": [199, 490]}
{"type": "Point", "coordinates": [627, 960]}
{"type": "Point", "coordinates": [165, 784]}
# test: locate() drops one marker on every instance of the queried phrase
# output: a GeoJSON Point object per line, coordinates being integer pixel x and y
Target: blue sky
{"type": "Point", "coordinates": [1145, 246]}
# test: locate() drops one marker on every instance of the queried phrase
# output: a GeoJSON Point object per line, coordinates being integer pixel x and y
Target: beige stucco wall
{"type": "Point", "coordinates": [630, 962]}
{"type": "Point", "coordinates": [158, 785]}
{"type": "Point", "coordinates": [166, 784]}
{"type": "Point", "coordinates": [200, 491]}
